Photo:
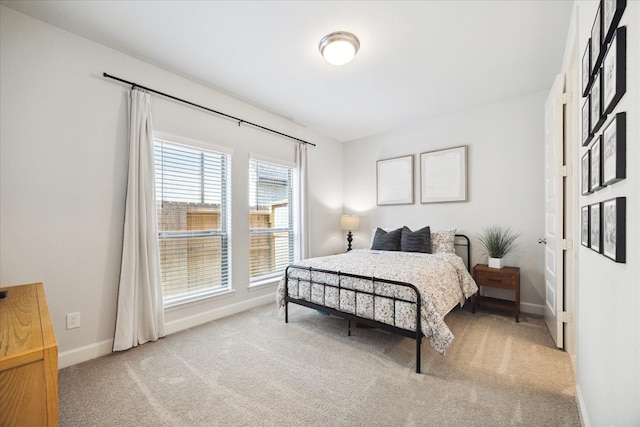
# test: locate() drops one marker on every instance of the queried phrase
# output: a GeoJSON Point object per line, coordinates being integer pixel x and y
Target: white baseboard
{"type": "Point", "coordinates": [582, 410]}
{"type": "Point", "coordinates": [217, 313]}
{"type": "Point", "coordinates": [82, 354]}
{"type": "Point", "coordinates": [527, 307]}
{"type": "Point", "coordinates": [102, 348]}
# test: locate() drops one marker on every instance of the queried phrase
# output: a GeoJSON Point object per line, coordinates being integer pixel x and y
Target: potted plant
{"type": "Point", "coordinates": [497, 242]}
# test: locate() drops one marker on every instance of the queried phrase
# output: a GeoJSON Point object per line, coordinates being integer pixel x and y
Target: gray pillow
{"type": "Point", "coordinates": [416, 241]}
{"type": "Point", "coordinates": [387, 241]}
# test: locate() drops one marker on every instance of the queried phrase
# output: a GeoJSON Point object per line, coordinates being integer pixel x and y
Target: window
{"type": "Point", "coordinates": [271, 234]}
{"type": "Point", "coordinates": [193, 212]}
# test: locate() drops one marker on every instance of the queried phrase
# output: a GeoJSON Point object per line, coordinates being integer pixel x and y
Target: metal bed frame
{"type": "Point", "coordinates": [417, 334]}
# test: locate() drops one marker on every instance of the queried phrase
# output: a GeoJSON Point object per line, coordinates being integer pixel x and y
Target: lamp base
{"type": "Point", "coordinates": [349, 240]}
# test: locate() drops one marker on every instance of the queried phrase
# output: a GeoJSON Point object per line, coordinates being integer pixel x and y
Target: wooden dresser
{"type": "Point", "coordinates": [28, 359]}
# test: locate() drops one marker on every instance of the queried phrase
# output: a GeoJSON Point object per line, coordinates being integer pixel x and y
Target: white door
{"type": "Point", "coordinates": [553, 210]}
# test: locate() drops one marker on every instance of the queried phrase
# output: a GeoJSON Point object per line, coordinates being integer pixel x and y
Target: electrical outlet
{"type": "Point", "coordinates": [73, 320]}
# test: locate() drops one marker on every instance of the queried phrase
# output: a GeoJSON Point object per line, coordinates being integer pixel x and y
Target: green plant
{"type": "Point", "coordinates": [498, 241]}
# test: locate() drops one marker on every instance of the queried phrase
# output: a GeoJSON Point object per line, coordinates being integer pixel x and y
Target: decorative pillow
{"type": "Point", "coordinates": [442, 241]}
{"type": "Point", "coordinates": [416, 241]}
{"type": "Point", "coordinates": [373, 233]}
{"type": "Point", "coordinates": [387, 241]}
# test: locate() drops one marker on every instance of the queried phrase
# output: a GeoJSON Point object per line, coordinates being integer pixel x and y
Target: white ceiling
{"type": "Point", "coordinates": [417, 59]}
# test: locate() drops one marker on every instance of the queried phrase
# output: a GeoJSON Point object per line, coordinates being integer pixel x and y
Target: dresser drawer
{"type": "Point", "coordinates": [494, 280]}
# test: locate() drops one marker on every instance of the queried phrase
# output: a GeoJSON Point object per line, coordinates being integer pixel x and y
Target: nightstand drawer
{"type": "Point", "coordinates": [494, 280]}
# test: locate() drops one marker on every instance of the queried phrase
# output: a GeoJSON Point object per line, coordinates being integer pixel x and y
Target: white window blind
{"type": "Point", "coordinates": [194, 221]}
{"type": "Point", "coordinates": [271, 219]}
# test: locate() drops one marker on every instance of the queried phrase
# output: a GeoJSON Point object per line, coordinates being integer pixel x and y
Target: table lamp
{"type": "Point", "coordinates": [349, 223]}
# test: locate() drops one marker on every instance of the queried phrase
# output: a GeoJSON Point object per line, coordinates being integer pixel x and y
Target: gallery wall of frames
{"type": "Point", "coordinates": [603, 222]}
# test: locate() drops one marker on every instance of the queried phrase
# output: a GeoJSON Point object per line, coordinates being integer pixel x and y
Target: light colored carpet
{"type": "Point", "coordinates": [252, 369]}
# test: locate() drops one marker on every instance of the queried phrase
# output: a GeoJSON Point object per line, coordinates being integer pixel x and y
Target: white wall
{"type": "Point", "coordinates": [505, 181]}
{"type": "Point", "coordinates": [608, 294]}
{"type": "Point", "coordinates": [64, 166]}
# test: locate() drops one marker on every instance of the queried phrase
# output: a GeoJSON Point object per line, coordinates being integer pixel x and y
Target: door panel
{"type": "Point", "coordinates": [554, 161]}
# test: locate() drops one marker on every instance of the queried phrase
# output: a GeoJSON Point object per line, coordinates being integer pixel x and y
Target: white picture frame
{"type": "Point", "coordinates": [394, 181]}
{"type": "Point", "coordinates": [443, 175]}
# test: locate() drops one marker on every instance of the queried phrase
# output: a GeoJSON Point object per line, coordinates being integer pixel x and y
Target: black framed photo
{"type": "Point", "coordinates": [596, 42]}
{"type": "Point", "coordinates": [614, 228]}
{"type": "Point", "coordinates": [586, 176]}
{"type": "Point", "coordinates": [584, 226]}
{"type": "Point", "coordinates": [586, 69]}
{"type": "Point", "coordinates": [614, 71]}
{"type": "Point", "coordinates": [594, 227]}
{"type": "Point", "coordinates": [612, 11]}
{"type": "Point", "coordinates": [586, 123]}
{"type": "Point", "coordinates": [597, 116]}
{"type": "Point", "coordinates": [614, 150]}
{"type": "Point", "coordinates": [595, 182]}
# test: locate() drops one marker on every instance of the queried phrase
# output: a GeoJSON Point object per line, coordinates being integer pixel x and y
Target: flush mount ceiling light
{"type": "Point", "coordinates": [339, 48]}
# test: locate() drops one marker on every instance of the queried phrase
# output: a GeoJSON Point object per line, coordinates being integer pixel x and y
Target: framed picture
{"type": "Point", "coordinates": [611, 13]}
{"type": "Point", "coordinates": [614, 150]}
{"type": "Point", "coordinates": [586, 69]}
{"type": "Point", "coordinates": [596, 42]}
{"type": "Point", "coordinates": [443, 175]}
{"type": "Point", "coordinates": [614, 228]}
{"type": "Point", "coordinates": [584, 226]}
{"type": "Point", "coordinates": [614, 68]}
{"type": "Point", "coordinates": [595, 182]}
{"type": "Point", "coordinates": [586, 123]}
{"type": "Point", "coordinates": [586, 175]}
{"type": "Point", "coordinates": [596, 116]}
{"type": "Point", "coordinates": [594, 227]}
{"type": "Point", "coordinates": [395, 181]}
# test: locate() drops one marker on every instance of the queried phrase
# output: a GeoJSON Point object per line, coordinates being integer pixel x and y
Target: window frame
{"type": "Point", "coordinates": [225, 231]}
{"type": "Point", "coordinates": [273, 276]}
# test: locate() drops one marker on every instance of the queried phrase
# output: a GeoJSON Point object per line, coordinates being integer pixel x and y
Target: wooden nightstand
{"type": "Point", "coordinates": [501, 278]}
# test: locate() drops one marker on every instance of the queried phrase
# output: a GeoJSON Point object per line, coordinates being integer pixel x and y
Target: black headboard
{"type": "Point", "coordinates": [462, 246]}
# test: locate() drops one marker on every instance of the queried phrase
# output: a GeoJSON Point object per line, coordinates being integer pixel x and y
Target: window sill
{"type": "Point", "coordinates": [263, 283]}
{"type": "Point", "coordinates": [196, 298]}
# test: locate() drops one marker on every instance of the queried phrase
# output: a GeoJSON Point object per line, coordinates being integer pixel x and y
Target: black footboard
{"type": "Point", "coordinates": [463, 249]}
{"type": "Point", "coordinates": [415, 334]}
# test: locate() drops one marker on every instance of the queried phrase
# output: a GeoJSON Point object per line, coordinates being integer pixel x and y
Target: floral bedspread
{"type": "Point", "coordinates": [442, 280]}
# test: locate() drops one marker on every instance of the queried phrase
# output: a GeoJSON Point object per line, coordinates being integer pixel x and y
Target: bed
{"type": "Point", "coordinates": [407, 293]}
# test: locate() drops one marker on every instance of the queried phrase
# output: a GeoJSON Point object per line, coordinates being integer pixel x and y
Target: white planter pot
{"type": "Point", "coordinates": [495, 262]}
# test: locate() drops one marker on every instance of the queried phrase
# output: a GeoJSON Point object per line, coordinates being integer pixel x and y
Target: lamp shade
{"type": "Point", "coordinates": [350, 222]}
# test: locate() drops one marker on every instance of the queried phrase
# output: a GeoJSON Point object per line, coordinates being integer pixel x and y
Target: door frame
{"type": "Point", "coordinates": [571, 196]}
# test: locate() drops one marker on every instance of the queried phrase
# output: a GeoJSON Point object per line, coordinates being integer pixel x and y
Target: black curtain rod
{"type": "Point", "coordinates": [228, 116]}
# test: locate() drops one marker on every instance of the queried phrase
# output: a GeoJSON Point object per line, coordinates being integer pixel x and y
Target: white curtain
{"type": "Point", "coordinates": [140, 316]}
{"type": "Point", "coordinates": [302, 214]}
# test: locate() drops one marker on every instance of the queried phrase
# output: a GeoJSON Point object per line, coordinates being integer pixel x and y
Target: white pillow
{"type": "Point", "coordinates": [442, 241]}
